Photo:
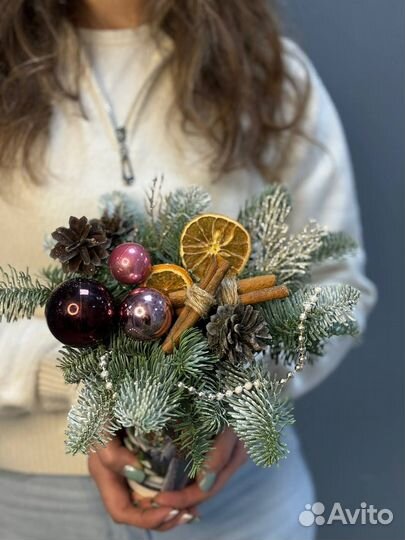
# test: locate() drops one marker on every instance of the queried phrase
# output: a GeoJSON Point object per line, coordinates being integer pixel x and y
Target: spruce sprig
{"type": "Point", "coordinates": [259, 416]}
{"type": "Point", "coordinates": [332, 316]}
{"type": "Point", "coordinates": [20, 294]}
{"type": "Point", "coordinates": [90, 421]}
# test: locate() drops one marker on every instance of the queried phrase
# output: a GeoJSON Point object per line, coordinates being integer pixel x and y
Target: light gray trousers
{"type": "Point", "coordinates": [257, 504]}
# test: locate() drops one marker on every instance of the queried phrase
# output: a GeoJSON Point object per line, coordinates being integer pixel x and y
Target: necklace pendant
{"type": "Point", "coordinates": [128, 175]}
{"type": "Point", "coordinates": [127, 171]}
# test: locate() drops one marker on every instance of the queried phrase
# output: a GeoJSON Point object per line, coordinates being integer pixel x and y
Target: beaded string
{"type": "Point", "coordinates": [104, 374]}
{"type": "Point", "coordinates": [248, 385]}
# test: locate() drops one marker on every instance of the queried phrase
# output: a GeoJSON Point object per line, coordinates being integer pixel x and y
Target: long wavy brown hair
{"type": "Point", "coordinates": [230, 75]}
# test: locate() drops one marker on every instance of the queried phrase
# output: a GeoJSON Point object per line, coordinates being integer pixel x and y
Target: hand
{"type": "Point", "coordinates": [222, 462]}
{"type": "Point", "coordinates": [106, 466]}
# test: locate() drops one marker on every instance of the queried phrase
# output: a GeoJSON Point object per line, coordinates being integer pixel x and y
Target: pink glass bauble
{"type": "Point", "coordinates": [80, 312]}
{"type": "Point", "coordinates": [146, 314]}
{"type": "Point", "coordinates": [130, 263]}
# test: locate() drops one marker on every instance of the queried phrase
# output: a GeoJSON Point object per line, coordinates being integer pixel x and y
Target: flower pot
{"type": "Point", "coordinates": [164, 469]}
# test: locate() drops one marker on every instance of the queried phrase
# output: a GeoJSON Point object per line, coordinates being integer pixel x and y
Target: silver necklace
{"type": "Point", "coordinates": [121, 131]}
{"type": "Point", "coordinates": [127, 170]}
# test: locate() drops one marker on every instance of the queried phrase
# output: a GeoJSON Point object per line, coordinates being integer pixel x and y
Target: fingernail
{"type": "Point", "coordinates": [172, 514]}
{"type": "Point", "coordinates": [187, 518]}
{"type": "Point", "coordinates": [207, 481]}
{"type": "Point", "coordinates": [132, 473]}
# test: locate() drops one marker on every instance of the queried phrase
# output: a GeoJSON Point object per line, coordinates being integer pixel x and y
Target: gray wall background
{"type": "Point", "coordinates": [352, 426]}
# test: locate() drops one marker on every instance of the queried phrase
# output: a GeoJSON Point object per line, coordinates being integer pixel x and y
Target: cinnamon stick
{"type": "Point", "coordinates": [177, 298]}
{"type": "Point", "coordinates": [188, 316]}
{"type": "Point", "coordinates": [256, 283]}
{"type": "Point", "coordinates": [264, 295]}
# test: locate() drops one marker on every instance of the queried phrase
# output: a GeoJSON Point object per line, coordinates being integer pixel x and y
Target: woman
{"type": "Point", "coordinates": [100, 95]}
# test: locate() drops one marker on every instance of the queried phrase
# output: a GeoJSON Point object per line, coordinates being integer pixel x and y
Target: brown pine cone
{"type": "Point", "coordinates": [82, 246]}
{"type": "Point", "coordinates": [237, 332]}
{"type": "Point", "coordinates": [116, 228]}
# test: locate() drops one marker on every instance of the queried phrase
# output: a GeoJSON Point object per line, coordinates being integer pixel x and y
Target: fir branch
{"type": "Point", "coordinates": [259, 416]}
{"type": "Point", "coordinates": [265, 215]}
{"type": "Point", "coordinates": [273, 249]}
{"type": "Point", "coordinates": [193, 440]}
{"type": "Point", "coordinates": [90, 421]}
{"type": "Point", "coordinates": [79, 365]}
{"type": "Point", "coordinates": [20, 294]}
{"type": "Point", "coordinates": [192, 357]}
{"type": "Point", "coordinates": [334, 245]}
{"type": "Point", "coordinates": [168, 216]}
{"type": "Point", "coordinates": [145, 404]}
{"type": "Point", "coordinates": [332, 316]}
{"type": "Point", "coordinates": [54, 276]}
{"type": "Point", "coordinates": [293, 260]}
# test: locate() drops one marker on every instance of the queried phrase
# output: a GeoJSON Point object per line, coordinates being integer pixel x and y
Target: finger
{"type": "Point", "coordinates": [183, 518]}
{"type": "Point", "coordinates": [217, 458]}
{"type": "Point", "coordinates": [119, 459]}
{"type": "Point", "coordinates": [118, 503]}
{"type": "Point", "coordinates": [193, 495]}
{"type": "Point", "coordinates": [239, 458]}
{"type": "Point", "coordinates": [187, 516]}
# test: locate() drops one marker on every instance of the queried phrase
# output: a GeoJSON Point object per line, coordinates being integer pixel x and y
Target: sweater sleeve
{"type": "Point", "coordinates": [320, 178]}
{"type": "Point", "coordinates": [29, 378]}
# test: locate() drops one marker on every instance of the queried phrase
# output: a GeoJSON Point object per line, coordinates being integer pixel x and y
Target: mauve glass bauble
{"type": "Point", "coordinates": [130, 263]}
{"type": "Point", "coordinates": [80, 312]}
{"type": "Point", "coordinates": [146, 314]}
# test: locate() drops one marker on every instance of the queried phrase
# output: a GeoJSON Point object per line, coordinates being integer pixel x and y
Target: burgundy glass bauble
{"type": "Point", "coordinates": [130, 263]}
{"type": "Point", "coordinates": [80, 312]}
{"type": "Point", "coordinates": [146, 314]}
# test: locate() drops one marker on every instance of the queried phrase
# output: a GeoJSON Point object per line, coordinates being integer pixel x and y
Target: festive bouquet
{"type": "Point", "coordinates": [171, 319]}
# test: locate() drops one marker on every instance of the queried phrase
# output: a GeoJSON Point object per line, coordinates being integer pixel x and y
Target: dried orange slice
{"type": "Point", "coordinates": [168, 278]}
{"type": "Point", "coordinates": [213, 234]}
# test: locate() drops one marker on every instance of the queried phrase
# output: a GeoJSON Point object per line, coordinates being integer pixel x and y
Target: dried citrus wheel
{"type": "Point", "coordinates": [168, 278]}
{"type": "Point", "coordinates": [213, 234]}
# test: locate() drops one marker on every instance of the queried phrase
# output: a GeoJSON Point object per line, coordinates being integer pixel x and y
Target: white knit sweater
{"type": "Point", "coordinates": [83, 163]}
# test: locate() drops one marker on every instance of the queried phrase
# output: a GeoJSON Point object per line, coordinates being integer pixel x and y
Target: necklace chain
{"type": "Point", "coordinates": [121, 131]}
{"type": "Point", "coordinates": [127, 170]}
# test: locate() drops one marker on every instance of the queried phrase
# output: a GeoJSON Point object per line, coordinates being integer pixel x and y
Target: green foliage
{"type": "Point", "coordinates": [167, 216]}
{"type": "Point", "coordinates": [334, 245]}
{"type": "Point", "coordinates": [20, 294]}
{"type": "Point", "coordinates": [192, 438]}
{"type": "Point", "coordinates": [258, 416]}
{"type": "Point", "coordinates": [274, 250]}
{"type": "Point", "coordinates": [90, 421]}
{"type": "Point", "coordinates": [54, 276]}
{"type": "Point", "coordinates": [145, 403]}
{"type": "Point", "coordinates": [79, 365]}
{"type": "Point", "coordinates": [192, 357]}
{"type": "Point", "coordinates": [332, 316]}
{"type": "Point", "coordinates": [289, 256]}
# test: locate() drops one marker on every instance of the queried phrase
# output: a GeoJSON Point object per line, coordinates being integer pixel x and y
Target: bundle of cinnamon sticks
{"type": "Point", "coordinates": [251, 291]}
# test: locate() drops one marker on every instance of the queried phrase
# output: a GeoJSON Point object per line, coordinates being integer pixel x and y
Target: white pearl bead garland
{"type": "Point", "coordinates": [104, 374]}
{"type": "Point", "coordinates": [248, 385]}
{"type": "Point", "coordinates": [302, 350]}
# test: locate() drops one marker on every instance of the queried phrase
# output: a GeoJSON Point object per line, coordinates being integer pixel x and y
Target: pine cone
{"type": "Point", "coordinates": [81, 247]}
{"type": "Point", "coordinates": [237, 332]}
{"type": "Point", "coordinates": [116, 228]}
